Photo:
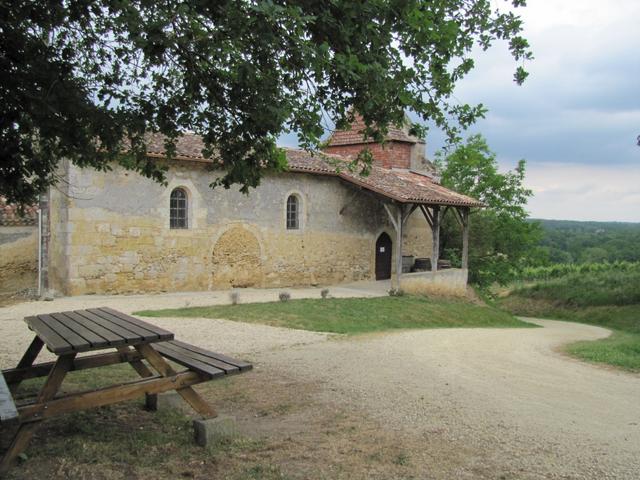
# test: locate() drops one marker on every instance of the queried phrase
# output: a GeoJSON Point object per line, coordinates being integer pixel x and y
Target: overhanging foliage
{"type": "Point", "coordinates": [82, 79]}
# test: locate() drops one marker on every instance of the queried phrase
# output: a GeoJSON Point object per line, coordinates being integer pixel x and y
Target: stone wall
{"type": "Point", "coordinates": [18, 258]}
{"type": "Point", "coordinates": [452, 281]}
{"type": "Point", "coordinates": [110, 233]}
{"type": "Point", "coordinates": [417, 238]}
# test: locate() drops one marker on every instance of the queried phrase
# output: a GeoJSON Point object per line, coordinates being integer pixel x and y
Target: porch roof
{"type": "Point", "coordinates": [403, 186]}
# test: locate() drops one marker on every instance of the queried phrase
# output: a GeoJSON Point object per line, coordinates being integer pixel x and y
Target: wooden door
{"type": "Point", "coordinates": [383, 257]}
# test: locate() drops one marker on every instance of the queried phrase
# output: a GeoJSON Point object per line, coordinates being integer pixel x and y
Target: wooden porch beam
{"type": "Point", "coordinates": [398, 219]}
{"type": "Point", "coordinates": [391, 216]}
{"type": "Point", "coordinates": [458, 216]}
{"type": "Point", "coordinates": [400, 223]}
{"type": "Point", "coordinates": [427, 215]}
{"type": "Point", "coordinates": [464, 218]}
{"type": "Point", "coordinates": [435, 231]}
{"type": "Point", "coordinates": [444, 212]}
{"type": "Point", "coordinates": [409, 212]}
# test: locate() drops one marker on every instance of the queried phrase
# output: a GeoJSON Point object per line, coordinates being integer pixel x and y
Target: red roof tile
{"type": "Point", "coordinates": [354, 135]}
{"type": "Point", "coordinates": [400, 185]}
{"type": "Point", "coordinates": [10, 214]}
{"type": "Point", "coordinates": [188, 146]}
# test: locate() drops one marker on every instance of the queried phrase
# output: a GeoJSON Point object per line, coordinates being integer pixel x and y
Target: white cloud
{"type": "Point", "coordinates": [584, 192]}
{"type": "Point", "coordinates": [576, 118]}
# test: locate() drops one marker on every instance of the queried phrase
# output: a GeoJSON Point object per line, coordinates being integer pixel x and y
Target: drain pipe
{"type": "Point", "coordinates": [39, 252]}
{"type": "Point", "coordinates": [45, 234]}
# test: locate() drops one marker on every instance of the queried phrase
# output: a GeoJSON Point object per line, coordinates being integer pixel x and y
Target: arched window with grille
{"type": "Point", "coordinates": [293, 213]}
{"type": "Point", "coordinates": [179, 209]}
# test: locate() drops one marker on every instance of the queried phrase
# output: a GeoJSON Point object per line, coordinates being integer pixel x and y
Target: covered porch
{"type": "Point", "coordinates": [451, 278]}
{"type": "Point", "coordinates": [401, 192]}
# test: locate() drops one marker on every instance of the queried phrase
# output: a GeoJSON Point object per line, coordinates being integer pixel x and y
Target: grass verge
{"type": "Point", "coordinates": [604, 299]}
{"type": "Point", "coordinates": [620, 350]}
{"type": "Point", "coordinates": [355, 315]}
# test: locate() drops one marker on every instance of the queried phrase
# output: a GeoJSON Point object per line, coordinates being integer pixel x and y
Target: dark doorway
{"type": "Point", "coordinates": [383, 257]}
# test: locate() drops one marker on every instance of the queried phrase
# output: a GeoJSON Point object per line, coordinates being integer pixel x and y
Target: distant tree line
{"type": "Point", "coordinates": [565, 241]}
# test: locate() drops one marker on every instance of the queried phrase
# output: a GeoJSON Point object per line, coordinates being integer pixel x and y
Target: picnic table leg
{"type": "Point", "coordinates": [27, 360]}
{"type": "Point", "coordinates": [150, 399]}
{"type": "Point", "coordinates": [187, 393]}
{"type": "Point", "coordinates": [26, 430]}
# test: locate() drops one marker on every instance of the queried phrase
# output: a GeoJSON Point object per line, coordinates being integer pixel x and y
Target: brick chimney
{"type": "Point", "coordinates": [401, 150]}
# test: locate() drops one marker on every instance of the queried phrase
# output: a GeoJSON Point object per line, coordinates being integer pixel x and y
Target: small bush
{"type": "Point", "coordinates": [284, 296]}
{"type": "Point", "coordinates": [324, 293]}
{"type": "Point", "coordinates": [235, 298]}
{"type": "Point", "coordinates": [396, 292]}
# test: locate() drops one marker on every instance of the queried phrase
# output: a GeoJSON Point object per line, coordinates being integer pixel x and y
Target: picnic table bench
{"type": "Point", "coordinates": [143, 345]}
{"type": "Point", "coordinates": [8, 410]}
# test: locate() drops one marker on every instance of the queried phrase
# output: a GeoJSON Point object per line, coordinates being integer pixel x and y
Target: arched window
{"type": "Point", "coordinates": [293, 213]}
{"type": "Point", "coordinates": [178, 209]}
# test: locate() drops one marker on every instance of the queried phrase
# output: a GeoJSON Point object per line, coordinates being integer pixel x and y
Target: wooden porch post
{"type": "Point", "coordinates": [435, 231]}
{"type": "Point", "coordinates": [397, 219]}
{"type": "Point", "coordinates": [464, 215]}
{"type": "Point", "coordinates": [399, 222]}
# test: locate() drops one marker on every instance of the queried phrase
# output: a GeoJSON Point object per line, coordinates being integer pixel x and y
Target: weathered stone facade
{"type": "Point", "coordinates": [18, 249]}
{"type": "Point", "coordinates": [110, 233]}
{"type": "Point", "coordinates": [18, 258]}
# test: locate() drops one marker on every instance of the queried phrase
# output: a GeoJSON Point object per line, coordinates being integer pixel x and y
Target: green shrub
{"type": "Point", "coordinates": [563, 269]}
{"type": "Point", "coordinates": [586, 288]}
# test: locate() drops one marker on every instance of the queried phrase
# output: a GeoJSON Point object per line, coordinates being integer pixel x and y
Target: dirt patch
{"type": "Point", "coordinates": [283, 435]}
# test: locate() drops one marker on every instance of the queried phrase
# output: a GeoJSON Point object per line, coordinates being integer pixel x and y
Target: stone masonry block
{"type": "Point", "coordinates": [211, 431]}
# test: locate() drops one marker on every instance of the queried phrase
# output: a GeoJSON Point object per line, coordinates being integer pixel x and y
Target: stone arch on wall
{"type": "Point", "coordinates": [236, 260]}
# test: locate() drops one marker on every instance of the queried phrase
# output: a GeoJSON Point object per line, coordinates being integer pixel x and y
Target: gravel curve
{"type": "Point", "coordinates": [498, 403]}
{"type": "Point", "coordinates": [483, 403]}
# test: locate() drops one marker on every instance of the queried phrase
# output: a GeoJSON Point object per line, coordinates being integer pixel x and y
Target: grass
{"type": "Point", "coordinates": [588, 289]}
{"type": "Point", "coordinates": [607, 299]}
{"type": "Point", "coordinates": [117, 434]}
{"type": "Point", "coordinates": [620, 350]}
{"type": "Point", "coordinates": [355, 315]}
{"type": "Point", "coordinates": [123, 439]}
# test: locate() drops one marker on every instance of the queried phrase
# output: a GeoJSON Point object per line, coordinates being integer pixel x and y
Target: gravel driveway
{"type": "Point", "coordinates": [494, 403]}
{"type": "Point", "coordinates": [477, 403]}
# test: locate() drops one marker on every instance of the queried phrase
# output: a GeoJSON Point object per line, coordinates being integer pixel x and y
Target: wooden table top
{"type": "Point", "coordinates": [93, 329]}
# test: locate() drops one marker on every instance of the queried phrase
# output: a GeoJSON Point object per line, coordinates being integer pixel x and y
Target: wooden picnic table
{"type": "Point", "coordinates": [143, 345]}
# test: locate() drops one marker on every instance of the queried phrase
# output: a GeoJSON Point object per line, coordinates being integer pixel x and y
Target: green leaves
{"type": "Point", "coordinates": [79, 78]}
{"type": "Point", "coordinates": [501, 237]}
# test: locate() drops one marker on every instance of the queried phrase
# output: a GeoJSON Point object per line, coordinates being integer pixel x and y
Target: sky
{"type": "Point", "coordinates": [576, 118]}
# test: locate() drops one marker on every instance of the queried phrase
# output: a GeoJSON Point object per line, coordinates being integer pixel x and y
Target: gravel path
{"type": "Point", "coordinates": [503, 402]}
{"type": "Point", "coordinates": [482, 403]}
{"type": "Point", "coordinates": [221, 335]}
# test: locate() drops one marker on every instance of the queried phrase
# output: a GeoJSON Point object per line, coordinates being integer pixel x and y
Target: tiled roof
{"type": "Point", "coordinates": [400, 185]}
{"type": "Point", "coordinates": [354, 136]}
{"type": "Point", "coordinates": [188, 146]}
{"type": "Point", "coordinates": [10, 215]}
